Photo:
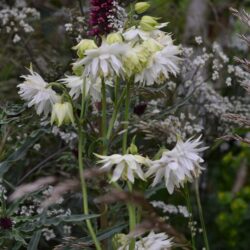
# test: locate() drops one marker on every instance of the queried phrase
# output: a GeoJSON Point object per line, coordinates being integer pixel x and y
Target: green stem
{"type": "Point", "coordinates": [104, 118]}
{"type": "Point", "coordinates": [114, 115]}
{"type": "Point", "coordinates": [126, 119]}
{"type": "Point", "coordinates": [189, 206]}
{"type": "Point", "coordinates": [131, 208]}
{"type": "Point", "coordinates": [81, 172]}
{"type": "Point", "coordinates": [197, 193]}
{"type": "Point", "coordinates": [132, 218]}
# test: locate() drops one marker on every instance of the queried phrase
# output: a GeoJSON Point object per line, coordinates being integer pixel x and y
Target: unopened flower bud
{"type": "Point", "coordinates": [114, 38]}
{"type": "Point", "coordinates": [85, 44]}
{"type": "Point", "coordinates": [148, 23]}
{"type": "Point", "coordinates": [62, 113]}
{"type": "Point", "coordinates": [141, 7]}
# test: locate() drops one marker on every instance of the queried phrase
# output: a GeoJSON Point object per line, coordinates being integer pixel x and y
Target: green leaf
{"type": "Point", "coordinates": [72, 218]}
{"type": "Point", "coordinates": [20, 152]}
{"type": "Point", "coordinates": [33, 244]}
{"type": "Point", "coordinates": [107, 233]}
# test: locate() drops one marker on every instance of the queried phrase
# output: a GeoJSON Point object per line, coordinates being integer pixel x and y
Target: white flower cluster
{"type": "Point", "coordinates": [118, 22]}
{"type": "Point", "coordinates": [176, 166]}
{"type": "Point", "coordinates": [143, 53]}
{"type": "Point", "coordinates": [3, 191]}
{"type": "Point", "coordinates": [149, 56]}
{"type": "Point", "coordinates": [167, 130]}
{"type": "Point", "coordinates": [15, 21]}
{"type": "Point", "coordinates": [171, 209]}
{"type": "Point", "coordinates": [48, 234]}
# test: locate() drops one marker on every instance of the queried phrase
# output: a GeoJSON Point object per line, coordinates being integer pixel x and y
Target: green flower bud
{"type": "Point", "coordinates": [148, 23]}
{"type": "Point", "coordinates": [114, 38]}
{"type": "Point", "coordinates": [62, 113]}
{"type": "Point", "coordinates": [133, 148]}
{"type": "Point", "coordinates": [135, 60]}
{"type": "Point", "coordinates": [141, 7]}
{"type": "Point", "coordinates": [152, 45]}
{"type": "Point", "coordinates": [85, 44]}
{"type": "Point", "coordinates": [119, 240]}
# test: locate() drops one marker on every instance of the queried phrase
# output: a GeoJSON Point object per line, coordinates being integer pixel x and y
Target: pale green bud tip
{"type": "Point", "coordinates": [62, 113]}
{"type": "Point", "coordinates": [119, 240]}
{"type": "Point", "coordinates": [141, 7]}
{"type": "Point", "coordinates": [114, 38]}
{"type": "Point", "coordinates": [85, 44]}
{"type": "Point", "coordinates": [148, 23]}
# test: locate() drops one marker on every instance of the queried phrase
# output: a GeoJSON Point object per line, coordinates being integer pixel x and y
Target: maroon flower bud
{"type": "Point", "coordinates": [6, 223]}
{"type": "Point", "coordinates": [140, 109]}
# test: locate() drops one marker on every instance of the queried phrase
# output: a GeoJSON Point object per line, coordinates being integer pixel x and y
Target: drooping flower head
{"type": "Point", "coordinates": [62, 113]}
{"type": "Point", "coordinates": [178, 165]}
{"type": "Point", "coordinates": [36, 92]}
{"type": "Point", "coordinates": [126, 167]}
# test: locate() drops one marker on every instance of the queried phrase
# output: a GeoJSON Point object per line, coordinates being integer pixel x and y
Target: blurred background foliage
{"type": "Point", "coordinates": [225, 189]}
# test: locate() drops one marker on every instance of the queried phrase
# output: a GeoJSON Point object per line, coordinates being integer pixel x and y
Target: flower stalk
{"type": "Point", "coordinates": [198, 200]}
{"type": "Point", "coordinates": [81, 144]}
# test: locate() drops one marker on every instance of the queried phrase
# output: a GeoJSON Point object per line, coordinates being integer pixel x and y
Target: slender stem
{"type": "Point", "coordinates": [189, 206]}
{"type": "Point", "coordinates": [115, 113]}
{"type": "Point", "coordinates": [104, 118]}
{"type": "Point", "coordinates": [131, 208]}
{"type": "Point", "coordinates": [132, 218]}
{"type": "Point", "coordinates": [197, 193]}
{"type": "Point", "coordinates": [126, 118]}
{"type": "Point", "coordinates": [81, 143]}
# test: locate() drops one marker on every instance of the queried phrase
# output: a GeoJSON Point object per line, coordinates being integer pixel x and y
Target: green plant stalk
{"type": "Point", "coordinates": [81, 172]}
{"type": "Point", "coordinates": [126, 119]}
{"type": "Point", "coordinates": [198, 200]}
{"type": "Point", "coordinates": [190, 210]}
{"type": "Point", "coordinates": [132, 218]}
{"type": "Point", "coordinates": [114, 115]}
{"type": "Point", "coordinates": [131, 208]}
{"type": "Point", "coordinates": [104, 118]}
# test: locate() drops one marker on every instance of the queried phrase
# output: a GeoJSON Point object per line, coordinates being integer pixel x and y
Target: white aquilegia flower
{"type": "Point", "coordinates": [154, 241]}
{"type": "Point", "coordinates": [76, 84]}
{"type": "Point", "coordinates": [125, 166]}
{"type": "Point", "coordinates": [34, 90]}
{"type": "Point", "coordinates": [161, 64]}
{"type": "Point", "coordinates": [178, 165]}
{"type": "Point", "coordinates": [134, 34]}
{"type": "Point", "coordinates": [104, 61]}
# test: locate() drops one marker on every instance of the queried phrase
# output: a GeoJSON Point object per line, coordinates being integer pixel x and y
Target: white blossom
{"type": "Point", "coordinates": [178, 165]}
{"type": "Point", "coordinates": [104, 61]}
{"type": "Point", "coordinates": [125, 166]}
{"type": "Point", "coordinates": [77, 83]}
{"type": "Point", "coordinates": [36, 92]}
{"type": "Point", "coordinates": [154, 241]}
{"type": "Point", "coordinates": [160, 66]}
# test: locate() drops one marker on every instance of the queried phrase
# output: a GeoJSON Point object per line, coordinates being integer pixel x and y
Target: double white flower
{"type": "Point", "coordinates": [153, 241]}
{"type": "Point", "coordinates": [36, 92]}
{"type": "Point", "coordinates": [127, 167]}
{"type": "Point", "coordinates": [178, 165]}
{"type": "Point", "coordinates": [76, 84]}
{"type": "Point", "coordinates": [105, 61]}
